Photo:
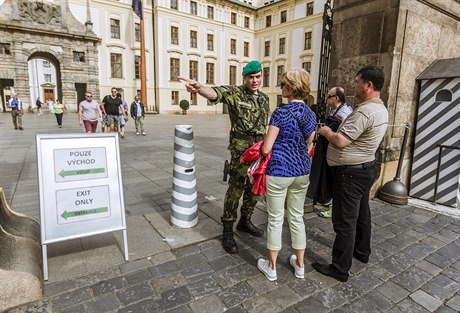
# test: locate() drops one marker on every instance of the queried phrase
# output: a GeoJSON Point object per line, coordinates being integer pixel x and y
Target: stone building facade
{"type": "Point", "coordinates": [48, 31]}
{"type": "Point", "coordinates": [403, 37]}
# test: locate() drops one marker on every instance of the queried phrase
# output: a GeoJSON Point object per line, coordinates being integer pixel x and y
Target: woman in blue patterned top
{"type": "Point", "coordinates": [290, 132]}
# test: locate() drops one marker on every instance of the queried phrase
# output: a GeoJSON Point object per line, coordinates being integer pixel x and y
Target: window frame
{"type": "Point", "coordinates": [137, 32]}
{"type": "Point", "coordinates": [283, 17]}
{"type": "Point", "coordinates": [193, 38]}
{"type": "Point", "coordinates": [193, 69]}
{"type": "Point", "coordinates": [115, 28]}
{"type": "Point", "coordinates": [266, 76]}
{"type": "Point", "coordinates": [210, 42]}
{"type": "Point", "coordinates": [174, 69]}
{"type": "Point", "coordinates": [174, 35]}
{"type": "Point", "coordinates": [267, 48]}
{"type": "Point", "coordinates": [116, 65]}
{"type": "Point", "coordinates": [309, 9]}
{"type": "Point", "coordinates": [79, 56]}
{"type": "Point", "coordinates": [268, 21]}
{"type": "Point", "coordinates": [307, 40]}
{"type": "Point", "coordinates": [137, 67]}
{"type": "Point", "coordinates": [232, 46]}
{"type": "Point", "coordinates": [279, 73]}
{"type": "Point", "coordinates": [246, 49]}
{"type": "Point", "coordinates": [174, 97]}
{"type": "Point", "coordinates": [193, 8]}
{"type": "Point", "coordinates": [232, 75]}
{"type": "Point", "coordinates": [174, 5]}
{"type": "Point", "coordinates": [246, 21]}
{"type": "Point", "coordinates": [210, 70]}
{"type": "Point", "coordinates": [282, 45]}
{"type": "Point", "coordinates": [233, 18]}
{"type": "Point", "coordinates": [210, 12]}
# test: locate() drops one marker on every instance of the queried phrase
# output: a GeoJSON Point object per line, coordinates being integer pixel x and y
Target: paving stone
{"type": "Point", "coordinates": [165, 268]}
{"type": "Point", "coordinates": [42, 306]}
{"type": "Point", "coordinates": [445, 235]}
{"type": "Point", "coordinates": [418, 251]}
{"type": "Point", "coordinates": [179, 309]}
{"type": "Point", "coordinates": [197, 272]}
{"type": "Point", "coordinates": [104, 303]}
{"type": "Point", "coordinates": [71, 298]}
{"type": "Point", "coordinates": [236, 309]}
{"type": "Point", "coordinates": [452, 273]}
{"type": "Point", "coordinates": [222, 263]}
{"type": "Point", "coordinates": [392, 265]}
{"type": "Point", "coordinates": [236, 294]}
{"type": "Point", "coordinates": [388, 247]}
{"type": "Point", "coordinates": [311, 305]}
{"type": "Point", "coordinates": [60, 287]}
{"type": "Point", "coordinates": [370, 302]}
{"type": "Point", "coordinates": [108, 285]}
{"type": "Point", "coordinates": [210, 303]}
{"type": "Point", "coordinates": [260, 304]}
{"type": "Point", "coordinates": [170, 281]}
{"type": "Point", "coordinates": [135, 293]}
{"type": "Point", "coordinates": [203, 288]}
{"type": "Point", "coordinates": [161, 258]}
{"type": "Point", "coordinates": [191, 260]}
{"type": "Point", "coordinates": [289, 310]}
{"type": "Point", "coordinates": [412, 278]}
{"type": "Point", "coordinates": [394, 229]}
{"type": "Point", "coordinates": [392, 291]}
{"type": "Point", "coordinates": [445, 309]}
{"type": "Point", "coordinates": [330, 298]}
{"type": "Point", "coordinates": [213, 253]}
{"type": "Point", "coordinates": [428, 267]}
{"type": "Point", "coordinates": [384, 233]}
{"type": "Point", "coordinates": [145, 306]}
{"type": "Point", "coordinates": [181, 252]}
{"type": "Point", "coordinates": [284, 296]}
{"type": "Point", "coordinates": [441, 287]}
{"type": "Point", "coordinates": [454, 303]}
{"type": "Point", "coordinates": [174, 298]}
{"type": "Point", "coordinates": [427, 301]}
{"type": "Point", "coordinates": [439, 260]}
{"type": "Point", "coordinates": [380, 221]}
{"type": "Point", "coordinates": [379, 254]}
{"type": "Point", "coordinates": [303, 287]}
{"type": "Point", "coordinates": [380, 272]}
{"type": "Point", "coordinates": [431, 227]}
{"type": "Point", "coordinates": [349, 290]}
{"type": "Point", "coordinates": [80, 308]}
{"type": "Point", "coordinates": [451, 251]}
{"type": "Point", "coordinates": [366, 281]}
{"type": "Point", "coordinates": [403, 240]}
{"type": "Point", "coordinates": [138, 277]}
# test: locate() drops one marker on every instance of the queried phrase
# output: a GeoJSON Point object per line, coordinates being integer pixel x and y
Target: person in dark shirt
{"type": "Point", "coordinates": [111, 106]}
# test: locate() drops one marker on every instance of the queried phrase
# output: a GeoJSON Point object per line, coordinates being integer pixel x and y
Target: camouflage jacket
{"type": "Point", "coordinates": [248, 115]}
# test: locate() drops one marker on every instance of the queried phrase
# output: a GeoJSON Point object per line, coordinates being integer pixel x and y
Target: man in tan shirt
{"type": "Point", "coordinates": [351, 154]}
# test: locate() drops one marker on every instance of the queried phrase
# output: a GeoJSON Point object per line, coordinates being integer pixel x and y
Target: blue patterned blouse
{"type": "Point", "coordinates": [289, 153]}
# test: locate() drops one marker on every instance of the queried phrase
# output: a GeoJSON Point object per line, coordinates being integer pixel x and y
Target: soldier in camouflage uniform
{"type": "Point", "coordinates": [248, 110]}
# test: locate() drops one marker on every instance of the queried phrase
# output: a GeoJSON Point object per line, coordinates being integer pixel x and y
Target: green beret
{"type": "Point", "coordinates": [252, 68]}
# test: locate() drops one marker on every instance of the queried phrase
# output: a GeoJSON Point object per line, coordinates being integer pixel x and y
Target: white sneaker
{"type": "Point", "coordinates": [137, 133]}
{"type": "Point", "coordinates": [298, 271]}
{"type": "Point", "coordinates": [262, 265]}
{"type": "Point", "coordinates": [143, 134]}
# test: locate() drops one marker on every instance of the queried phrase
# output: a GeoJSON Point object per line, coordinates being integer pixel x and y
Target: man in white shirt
{"type": "Point", "coordinates": [89, 113]}
{"type": "Point", "coordinates": [17, 111]}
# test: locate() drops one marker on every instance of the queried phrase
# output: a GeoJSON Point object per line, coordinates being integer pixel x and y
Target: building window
{"type": "Point", "coordinates": [137, 67]}
{"type": "Point", "coordinates": [268, 21]}
{"type": "Point", "coordinates": [283, 16]}
{"type": "Point", "coordinates": [210, 12]}
{"type": "Point", "coordinates": [47, 78]}
{"type": "Point", "coordinates": [279, 100]}
{"type": "Point", "coordinates": [174, 4]}
{"type": "Point", "coordinates": [282, 48]}
{"type": "Point", "coordinates": [193, 70]}
{"type": "Point", "coordinates": [193, 39]}
{"type": "Point", "coordinates": [78, 56]}
{"type": "Point", "coordinates": [232, 75]}
{"type": "Point", "coordinates": [137, 32]}
{"type": "Point", "coordinates": [46, 64]}
{"type": "Point", "coordinates": [193, 8]}
{"type": "Point", "coordinates": [246, 21]}
{"type": "Point", "coordinates": [309, 8]}
{"type": "Point", "coordinates": [246, 49]}
{"type": "Point", "coordinates": [174, 35]}
{"type": "Point", "coordinates": [279, 73]}
{"type": "Point", "coordinates": [209, 73]}
{"type": "Point", "coordinates": [267, 49]}
{"type": "Point", "coordinates": [210, 42]}
{"type": "Point", "coordinates": [307, 45]}
{"type": "Point", "coordinates": [193, 98]}
{"type": "Point", "coordinates": [116, 65]}
{"type": "Point", "coordinates": [233, 18]}
{"type": "Point", "coordinates": [114, 28]}
{"type": "Point", "coordinates": [233, 46]}
{"type": "Point", "coordinates": [5, 48]}
{"type": "Point", "coordinates": [266, 73]}
{"type": "Point", "coordinates": [174, 97]}
{"type": "Point", "coordinates": [174, 69]}
{"type": "Point", "coordinates": [306, 66]}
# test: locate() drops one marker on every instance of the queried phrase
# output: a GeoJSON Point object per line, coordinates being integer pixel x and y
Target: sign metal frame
{"type": "Point", "coordinates": [80, 188]}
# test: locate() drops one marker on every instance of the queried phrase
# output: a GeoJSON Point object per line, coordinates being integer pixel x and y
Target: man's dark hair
{"type": "Point", "coordinates": [373, 74]}
{"type": "Point", "coordinates": [340, 94]}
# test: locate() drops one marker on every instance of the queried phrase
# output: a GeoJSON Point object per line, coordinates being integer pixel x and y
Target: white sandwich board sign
{"type": "Point", "coordinates": [81, 192]}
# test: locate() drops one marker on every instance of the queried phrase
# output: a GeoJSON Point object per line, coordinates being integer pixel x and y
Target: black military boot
{"type": "Point", "coordinates": [247, 226]}
{"type": "Point", "coordinates": [228, 242]}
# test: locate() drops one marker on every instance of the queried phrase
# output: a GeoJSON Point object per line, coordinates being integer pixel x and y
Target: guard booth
{"type": "Point", "coordinates": [435, 174]}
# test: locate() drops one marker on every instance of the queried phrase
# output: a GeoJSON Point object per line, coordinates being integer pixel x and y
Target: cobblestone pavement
{"type": "Point", "coordinates": [414, 266]}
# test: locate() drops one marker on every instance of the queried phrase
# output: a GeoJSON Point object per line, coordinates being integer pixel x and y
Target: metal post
{"type": "Point", "coordinates": [184, 208]}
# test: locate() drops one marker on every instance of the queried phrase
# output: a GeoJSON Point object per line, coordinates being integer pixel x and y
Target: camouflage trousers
{"type": "Point", "coordinates": [238, 185]}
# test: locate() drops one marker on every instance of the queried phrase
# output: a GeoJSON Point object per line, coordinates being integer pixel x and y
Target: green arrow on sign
{"type": "Point", "coordinates": [66, 214]}
{"type": "Point", "coordinates": [63, 173]}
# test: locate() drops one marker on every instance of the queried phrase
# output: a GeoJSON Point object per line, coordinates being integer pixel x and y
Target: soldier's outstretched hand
{"type": "Point", "coordinates": [190, 84]}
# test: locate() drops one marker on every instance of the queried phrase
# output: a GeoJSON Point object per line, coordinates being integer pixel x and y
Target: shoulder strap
{"type": "Point", "coordinates": [298, 123]}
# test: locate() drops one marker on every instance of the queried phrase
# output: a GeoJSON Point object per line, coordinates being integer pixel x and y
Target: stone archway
{"type": "Point", "coordinates": [44, 77]}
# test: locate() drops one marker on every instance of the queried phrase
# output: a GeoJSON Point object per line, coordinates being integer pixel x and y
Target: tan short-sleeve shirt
{"type": "Point", "coordinates": [365, 128]}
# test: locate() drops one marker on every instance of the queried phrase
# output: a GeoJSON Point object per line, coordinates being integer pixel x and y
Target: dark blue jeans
{"type": "Point", "coordinates": [59, 118]}
{"type": "Point", "coordinates": [351, 216]}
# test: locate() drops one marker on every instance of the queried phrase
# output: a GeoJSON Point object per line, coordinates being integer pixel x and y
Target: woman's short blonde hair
{"type": "Point", "coordinates": [298, 81]}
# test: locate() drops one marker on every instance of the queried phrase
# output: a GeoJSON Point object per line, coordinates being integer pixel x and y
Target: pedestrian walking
{"type": "Point", "coordinates": [17, 111]}
{"type": "Point", "coordinates": [38, 104]}
{"type": "Point", "coordinates": [50, 106]}
{"type": "Point", "coordinates": [248, 111]}
{"type": "Point", "coordinates": [138, 115]}
{"type": "Point", "coordinates": [59, 109]}
{"type": "Point", "coordinates": [88, 113]}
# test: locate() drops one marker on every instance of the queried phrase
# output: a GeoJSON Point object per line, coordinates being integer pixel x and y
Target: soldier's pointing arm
{"type": "Point", "coordinates": [194, 86]}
